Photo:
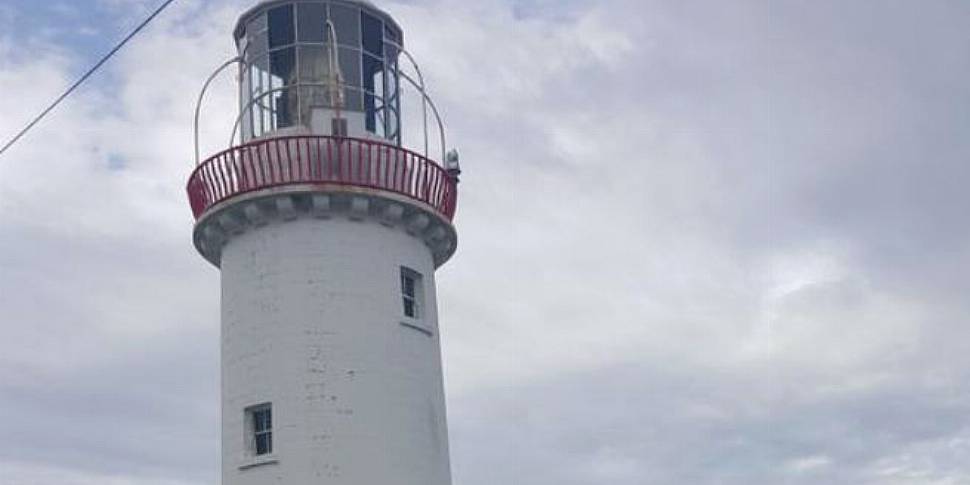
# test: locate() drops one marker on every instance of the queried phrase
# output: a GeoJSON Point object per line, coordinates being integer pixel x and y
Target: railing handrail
{"type": "Point", "coordinates": [399, 170]}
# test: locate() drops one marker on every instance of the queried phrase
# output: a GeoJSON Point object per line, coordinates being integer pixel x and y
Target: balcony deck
{"type": "Point", "coordinates": [307, 160]}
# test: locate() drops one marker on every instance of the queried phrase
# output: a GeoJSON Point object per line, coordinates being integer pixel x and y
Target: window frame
{"type": "Point", "coordinates": [253, 433]}
{"type": "Point", "coordinates": [416, 298]}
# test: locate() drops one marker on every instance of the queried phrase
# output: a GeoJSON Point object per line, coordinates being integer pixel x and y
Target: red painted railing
{"type": "Point", "coordinates": [275, 162]}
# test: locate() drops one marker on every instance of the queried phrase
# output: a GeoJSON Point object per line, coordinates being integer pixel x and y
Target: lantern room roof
{"type": "Point", "coordinates": [264, 5]}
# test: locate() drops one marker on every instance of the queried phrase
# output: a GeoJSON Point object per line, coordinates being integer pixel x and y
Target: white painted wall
{"type": "Point", "coordinates": [311, 313]}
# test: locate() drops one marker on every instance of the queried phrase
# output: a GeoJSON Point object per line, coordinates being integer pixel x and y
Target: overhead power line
{"type": "Point", "coordinates": [86, 75]}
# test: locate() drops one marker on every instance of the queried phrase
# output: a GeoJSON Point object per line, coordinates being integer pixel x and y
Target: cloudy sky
{"type": "Point", "coordinates": [700, 242]}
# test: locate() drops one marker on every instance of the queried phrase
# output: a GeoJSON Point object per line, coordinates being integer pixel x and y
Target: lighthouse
{"type": "Point", "coordinates": [327, 231]}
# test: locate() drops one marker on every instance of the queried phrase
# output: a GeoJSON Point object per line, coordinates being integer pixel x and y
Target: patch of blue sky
{"type": "Point", "coordinates": [80, 30]}
{"type": "Point", "coordinates": [116, 163]}
{"type": "Point", "coordinates": [84, 30]}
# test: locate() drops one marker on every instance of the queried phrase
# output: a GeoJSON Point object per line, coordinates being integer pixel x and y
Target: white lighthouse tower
{"type": "Point", "coordinates": [327, 232]}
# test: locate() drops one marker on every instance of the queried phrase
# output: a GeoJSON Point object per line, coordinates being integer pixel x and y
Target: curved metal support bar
{"type": "Point", "coordinates": [434, 110]}
{"type": "Point", "coordinates": [198, 103]}
{"type": "Point", "coordinates": [333, 70]}
{"type": "Point", "coordinates": [421, 87]}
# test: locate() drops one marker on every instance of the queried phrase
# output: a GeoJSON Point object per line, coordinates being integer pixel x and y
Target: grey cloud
{"type": "Point", "coordinates": [700, 242]}
{"type": "Point", "coordinates": [634, 424]}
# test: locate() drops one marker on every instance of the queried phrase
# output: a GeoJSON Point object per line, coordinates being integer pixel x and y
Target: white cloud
{"type": "Point", "coordinates": [24, 474]}
{"type": "Point", "coordinates": [672, 268]}
{"type": "Point", "coordinates": [808, 464]}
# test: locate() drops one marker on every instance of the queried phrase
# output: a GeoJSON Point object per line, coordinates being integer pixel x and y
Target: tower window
{"type": "Point", "coordinates": [411, 293]}
{"type": "Point", "coordinates": [259, 423]}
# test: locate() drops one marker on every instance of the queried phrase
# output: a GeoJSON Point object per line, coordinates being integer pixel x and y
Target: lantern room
{"type": "Point", "coordinates": [319, 68]}
{"type": "Point", "coordinates": [322, 85]}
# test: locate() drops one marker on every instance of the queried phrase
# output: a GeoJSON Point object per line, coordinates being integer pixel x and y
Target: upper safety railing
{"type": "Point", "coordinates": [297, 160]}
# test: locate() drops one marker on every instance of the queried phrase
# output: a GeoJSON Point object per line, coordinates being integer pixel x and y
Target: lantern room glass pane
{"type": "Point", "coordinates": [392, 34]}
{"type": "Point", "coordinates": [372, 29]}
{"type": "Point", "coordinates": [282, 67]}
{"type": "Point", "coordinates": [350, 68]}
{"type": "Point", "coordinates": [314, 76]}
{"type": "Point", "coordinates": [284, 107]}
{"type": "Point", "coordinates": [314, 65]}
{"type": "Point", "coordinates": [258, 23]}
{"type": "Point", "coordinates": [259, 79]}
{"type": "Point", "coordinates": [313, 99]}
{"type": "Point", "coordinates": [264, 443]}
{"type": "Point", "coordinates": [392, 104]}
{"type": "Point", "coordinates": [281, 29]}
{"type": "Point", "coordinates": [346, 21]}
{"type": "Point", "coordinates": [245, 88]}
{"type": "Point", "coordinates": [257, 42]}
{"type": "Point", "coordinates": [373, 91]}
{"type": "Point", "coordinates": [311, 22]}
{"type": "Point", "coordinates": [282, 63]}
{"type": "Point", "coordinates": [262, 420]}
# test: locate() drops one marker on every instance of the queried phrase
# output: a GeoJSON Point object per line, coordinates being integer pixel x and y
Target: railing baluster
{"type": "Point", "coordinates": [243, 169]}
{"type": "Point", "coordinates": [318, 164]}
{"type": "Point", "coordinates": [271, 161]}
{"type": "Point", "coordinates": [402, 160]}
{"type": "Point", "coordinates": [201, 172]}
{"type": "Point", "coordinates": [278, 163]}
{"type": "Point", "coordinates": [212, 183]}
{"type": "Point", "coordinates": [290, 176]}
{"type": "Point", "coordinates": [433, 190]}
{"type": "Point", "coordinates": [369, 172]}
{"type": "Point", "coordinates": [217, 174]}
{"type": "Point", "coordinates": [398, 171]}
{"type": "Point", "coordinates": [221, 176]}
{"type": "Point", "coordinates": [236, 170]}
{"type": "Point", "coordinates": [260, 149]}
{"type": "Point", "coordinates": [388, 169]}
{"type": "Point", "coordinates": [409, 174]}
{"type": "Point", "coordinates": [302, 159]}
{"type": "Point", "coordinates": [425, 180]}
{"type": "Point", "coordinates": [347, 152]}
{"type": "Point", "coordinates": [213, 189]}
{"type": "Point", "coordinates": [304, 156]}
{"type": "Point", "coordinates": [392, 169]}
{"type": "Point", "coordinates": [310, 172]}
{"type": "Point", "coordinates": [329, 159]}
{"type": "Point", "coordinates": [227, 173]}
{"type": "Point", "coordinates": [438, 186]}
{"type": "Point", "coordinates": [342, 168]}
{"type": "Point", "coordinates": [253, 167]}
